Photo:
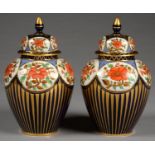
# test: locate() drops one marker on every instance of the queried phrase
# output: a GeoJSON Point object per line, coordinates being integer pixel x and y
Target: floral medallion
{"type": "Point", "coordinates": [53, 42]}
{"type": "Point", "coordinates": [117, 45]}
{"type": "Point", "coordinates": [132, 43]}
{"type": "Point", "coordinates": [24, 43]}
{"type": "Point", "coordinates": [117, 76]}
{"type": "Point", "coordinates": [66, 72]}
{"type": "Point", "coordinates": [89, 72]}
{"type": "Point", "coordinates": [37, 75]}
{"type": "Point", "coordinates": [144, 72]}
{"type": "Point", "coordinates": [11, 71]}
{"type": "Point", "coordinates": [102, 43]}
{"type": "Point", "coordinates": [39, 44]}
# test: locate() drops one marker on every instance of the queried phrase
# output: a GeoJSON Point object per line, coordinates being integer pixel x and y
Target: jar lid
{"type": "Point", "coordinates": [39, 42]}
{"type": "Point", "coordinates": [117, 43]}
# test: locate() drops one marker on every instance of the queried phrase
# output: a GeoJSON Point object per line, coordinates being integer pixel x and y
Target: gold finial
{"type": "Point", "coordinates": [39, 21]}
{"type": "Point", "coordinates": [117, 22]}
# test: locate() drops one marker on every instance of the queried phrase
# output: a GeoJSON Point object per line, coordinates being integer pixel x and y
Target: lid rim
{"type": "Point", "coordinates": [22, 52]}
{"type": "Point", "coordinates": [102, 53]}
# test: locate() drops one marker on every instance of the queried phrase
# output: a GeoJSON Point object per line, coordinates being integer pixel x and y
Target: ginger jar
{"type": "Point", "coordinates": [39, 84]}
{"type": "Point", "coordinates": [116, 85]}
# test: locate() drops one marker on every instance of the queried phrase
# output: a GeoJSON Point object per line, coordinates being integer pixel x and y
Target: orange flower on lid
{"type": "Point", "coordinates": [116, 43]}
{"type": "Point", "coordinates": [39, 43]}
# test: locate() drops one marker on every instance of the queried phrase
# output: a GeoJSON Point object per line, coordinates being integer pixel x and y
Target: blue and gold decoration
{"type": "Point", "coordinates": [39, 84]}
{"type": "Point", "coordinates": [116, 85]}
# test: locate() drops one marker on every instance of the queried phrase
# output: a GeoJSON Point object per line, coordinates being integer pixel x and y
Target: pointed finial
{"type": "Point", "coordinates": [117, 22]}
{"type": "Point", "coordinates": [39, 24]}
{"type": "Point", "coordinates": [39, 21]}
{"type": "Point", "coordinates": [117, 26]}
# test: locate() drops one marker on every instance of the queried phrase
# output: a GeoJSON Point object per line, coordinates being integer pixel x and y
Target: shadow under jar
{"type": "Point", "coordinates": [39, 84]}
{"type": "Point", "coordinates": [116, 85]}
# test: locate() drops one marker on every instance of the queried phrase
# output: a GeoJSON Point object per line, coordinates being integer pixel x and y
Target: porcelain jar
{"type": "Point", "coordinates": [116, 85]}
{"type": "Point", "coordinates": [39, 84]}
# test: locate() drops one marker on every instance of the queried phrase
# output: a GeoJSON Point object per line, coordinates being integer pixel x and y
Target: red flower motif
{"type": "Point", "coordinates": [118, 73]}
{"type": "Point", "coordinates": [116, 43]}
{"type": "Point", "coordinates": [36, 72]}
{"type": "Point", "coordinates": [145, 70]}
{"type": "Point", "coordinates": [39, 43]}
{"type": "Point", "coordinates": [86, 71]}
{"type": "Point", "coordinates": [69, 69]}
{"type": "Point", "coordinates": [9, 69]}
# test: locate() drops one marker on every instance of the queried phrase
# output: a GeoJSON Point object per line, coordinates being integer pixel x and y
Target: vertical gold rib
{"type": "Point", "coordinates": [112, 111]}
{"type": "Point", "coordinates": [54, 105]}
{"type": "Point", "coordinates": [46, 109]}
{"type": "Point", "coordinates": [62, 103]}
{"type": "Point", "coordinates": [27, 107]}
{"type": "Point", "coordinates": [93, 99]}
{"type": "Point", "coordinates": [33, 111]}
{"type": "Point", "coordinates": [37, 105]}
{"type": "Point", "coordinates": [92, 103]}
{"type": "Point", "coordinates": [121, 110]}
{"type": "Point", "coordinates": [131, 105]}
{"type": "Point", "coordinates": [58, 107]}
{"type": "Point", "coordinates": [107, 105]}
{"type": "Point", "coordinates": [141, 105]}
{"type": "Point", "coordinates": [140, 102]}
{"type": "Point", "coordinates": [96, 104]}
{"type": "Point", "coordinates": [103, 106]}
{"type": "Point", "coordinates": [42, 103]}
{"type": "Point", "coordinates": [137, 103]}
{"type": "Point", "coordinates": [117, 102]}
{"type": "Point", "coordinates": [25, 102]}
{"type": "Point", "coordinates": [124, 117]}
{"type": "Point", "coordinates": [15, 105]}
{"type": "Point", "coordinates": [89, 103]}
{"type": "Point", "coordinates": [146, 97]}
{"type": "Point", "coordinates": [134, 104]}
{"type": "Point", "coordinates": [19, 96]}
{"type": "Point", "coordinates": [16, 101]}
{"type": "Point", "coordinates": [146, 91]}
{"type": "Point", "coordinates": [50, 109]}
{"type": "Point", "coordinates": [12, 103]}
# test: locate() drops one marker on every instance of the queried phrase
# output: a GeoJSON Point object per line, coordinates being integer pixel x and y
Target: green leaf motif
{"type": "Point", "coordinates": [45, 65]}
{"type": "Point", "coordinates": [48, 80]}
{"type": "Point", "coordinates": [44, 85]}
{"type": "Point", "coordinates": [35, 89]}
{"type": "Point", "coordinates": [110, 65]}
{"type": "Point", "coordinates": [106, 76]}
{"type": "Point", "coordinates": [29, 65]}
{"type": "Point", "coordinates": [131, 79]}
{"type": "Point", "coordinates": [22, 79]}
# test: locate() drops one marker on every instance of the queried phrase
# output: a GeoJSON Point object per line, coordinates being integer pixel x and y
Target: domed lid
{"type": "Point", "coordinates": [39, 42]}
{"type": "Point", "coordinates": [117, 43]}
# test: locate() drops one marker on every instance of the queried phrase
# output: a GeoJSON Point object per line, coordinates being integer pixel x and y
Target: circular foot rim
{"type": "Point", "coordinates": [119, 135]}
{"type": "Point", "coordinates": [38, 134]}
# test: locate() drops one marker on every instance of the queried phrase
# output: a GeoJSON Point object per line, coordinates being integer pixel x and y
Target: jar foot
{"type": "Point", "coordinates": [119, 134]}
{"type": "Point", "coordinates": [39, 134]}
